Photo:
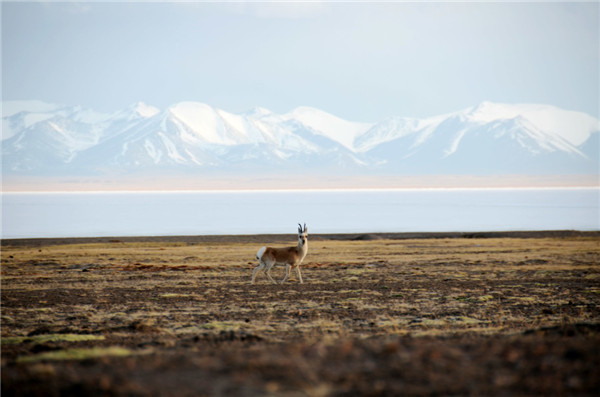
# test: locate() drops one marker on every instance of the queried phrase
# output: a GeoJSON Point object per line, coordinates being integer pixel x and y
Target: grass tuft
{"type": "Point", "coordinates": [12, 340]}
{"type": "Point", "coordinates": [77, 354]}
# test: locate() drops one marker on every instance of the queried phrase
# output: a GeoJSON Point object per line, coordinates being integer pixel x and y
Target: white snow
{"type": "Point", "coordinates": [259, 112]}
{"type": "Point", "coordinates": [455, 142]}
{"type": "Point", "coordinates": [145, 110]}
{"type": "Point", "coordinates": [34, 112]}
{"type": "Point", "coordinates": [235, 121]}
{"type": "Point", "coordinates": [194, 133]}
{"type": "Point", "coordinates": [385, 131]}
{"type": "Point", "coordinates": [333, 127]}
{"type": "Point", "coordinates": [172, 151]}
{"type": "Point", "coordinates": [152, 151]}
{"type": "Point", "coordinates": [88, 116]}
{"type": "Point", "coordinates": [267, 131]}
{"type": "Point", "coordinates": [134, 113]}
{"type": "Point", "coordinates": [33, 118]}
{"type": "Point", "coordinates": [215, 126]}
{"type": "Point", "coordinates": [201, 119]}
{"type": "Point", "coordinates": [192, 157]}
{"type": "Point", "coordinates": [425, 128]}
{"type": "Point", "coordinates": [575, 127]}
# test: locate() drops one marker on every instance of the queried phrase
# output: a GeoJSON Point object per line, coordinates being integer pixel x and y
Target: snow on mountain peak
{"type": "Point", "coordinates": [487, 112]}
{"type": "Point", "coordinates": [192, 134]}
{"type": "Point", "coordinates": [574, 127]}
{"type": "Point", "coordinates": [212, 125]}
{"type": "Point", "coordinates": [328, 125]}
{"type": "Point", "coordinates": [145, 111]}
{"type": "Point", "coordinates": [199, 118]}
{"type": "Point", "coordinates": [386, 130]}
{"type": "Point", "coordinates": [258, 112]}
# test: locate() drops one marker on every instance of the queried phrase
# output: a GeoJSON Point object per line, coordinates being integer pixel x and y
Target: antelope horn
{"type": "Point", "coordinates": [300, 228]}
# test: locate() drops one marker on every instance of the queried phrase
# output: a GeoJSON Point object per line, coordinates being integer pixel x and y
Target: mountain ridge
{"type": "Point", "coordinates": [490, 138]}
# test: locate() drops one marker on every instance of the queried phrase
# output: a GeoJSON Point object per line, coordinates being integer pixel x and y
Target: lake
{"type": "Point", "coordinates": [91, 214]}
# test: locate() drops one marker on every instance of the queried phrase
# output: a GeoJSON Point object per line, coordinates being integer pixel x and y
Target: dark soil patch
{"type": "Point", "coordinates": [234, 364]}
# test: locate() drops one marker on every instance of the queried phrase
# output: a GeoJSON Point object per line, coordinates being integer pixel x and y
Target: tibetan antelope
{"type": "Point", "coordinates": [289, 256]}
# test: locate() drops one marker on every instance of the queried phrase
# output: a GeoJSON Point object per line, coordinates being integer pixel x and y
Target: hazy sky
{"type": "Point", "coordinates": [360, 61]}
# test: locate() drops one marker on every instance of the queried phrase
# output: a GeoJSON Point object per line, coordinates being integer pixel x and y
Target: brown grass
{"type": "Point", "coordinates": [154, 297]}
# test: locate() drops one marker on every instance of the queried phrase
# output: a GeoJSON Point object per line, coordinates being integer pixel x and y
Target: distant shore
{"type": "Point", "coordinates": [290, 182]}
{"type": "Point", "coordinates": [286, 238]}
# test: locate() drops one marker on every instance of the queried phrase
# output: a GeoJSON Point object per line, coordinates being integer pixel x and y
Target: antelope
{"type": "Point", "coordinates": [288, 256]}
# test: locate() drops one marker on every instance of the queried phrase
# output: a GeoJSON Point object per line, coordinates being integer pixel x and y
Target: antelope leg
{"type": "Point", "coordinates": [256, 270]}
{"type": "Point", "coordinates": [299, 275]}
{"type": "Point", "coordinates": [268, 273]}
{"type": "Point", "coordinates": [287, 273]}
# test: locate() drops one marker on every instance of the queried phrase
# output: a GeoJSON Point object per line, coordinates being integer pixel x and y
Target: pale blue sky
{"type": "Point", "coordinates": [360, 61]}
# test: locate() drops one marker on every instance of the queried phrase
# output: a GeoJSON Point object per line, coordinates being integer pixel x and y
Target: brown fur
{"type": "Point", "coordinates": [285, 256]}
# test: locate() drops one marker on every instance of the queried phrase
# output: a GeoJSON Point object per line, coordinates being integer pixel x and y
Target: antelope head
{"type": "Point", "coordinates": [302, 235]}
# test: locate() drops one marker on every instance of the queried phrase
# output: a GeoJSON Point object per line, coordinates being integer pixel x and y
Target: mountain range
{"type": "Point", "coordinates": [42, 139]}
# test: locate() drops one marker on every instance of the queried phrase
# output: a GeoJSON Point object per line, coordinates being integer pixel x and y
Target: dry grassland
{"type": "Point", "coordinates": [385, 316]}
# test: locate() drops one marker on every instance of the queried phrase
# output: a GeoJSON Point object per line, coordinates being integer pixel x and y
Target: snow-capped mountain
{"type": "Point", "coordinates": [332, 127]}
{"type": "Point", "coordinates": [489, 138]}
{"type": "Point", "coordinates": [47, 139]}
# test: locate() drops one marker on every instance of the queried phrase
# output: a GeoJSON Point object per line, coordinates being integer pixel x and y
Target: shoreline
{"type": "Point", "coordinates": [287, 238]}
{"type": "Point", "coordinates": [226, 182]}
{"type": "Point", "coordinates": [297, 190]}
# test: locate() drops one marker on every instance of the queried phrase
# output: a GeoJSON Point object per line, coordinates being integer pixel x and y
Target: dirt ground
{"type": "Point", "coordinates": [394, 314]}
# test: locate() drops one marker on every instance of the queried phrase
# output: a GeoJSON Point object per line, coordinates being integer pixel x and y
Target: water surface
{"type": "Point", "coordinates": [87, 214]}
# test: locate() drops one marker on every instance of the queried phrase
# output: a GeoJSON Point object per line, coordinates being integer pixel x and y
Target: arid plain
{"type": "Point", "coordinates": [447, 314]}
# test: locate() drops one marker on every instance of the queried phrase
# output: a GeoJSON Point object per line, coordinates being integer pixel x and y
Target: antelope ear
{"type": "Point", "coordinates": [305, 228]}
